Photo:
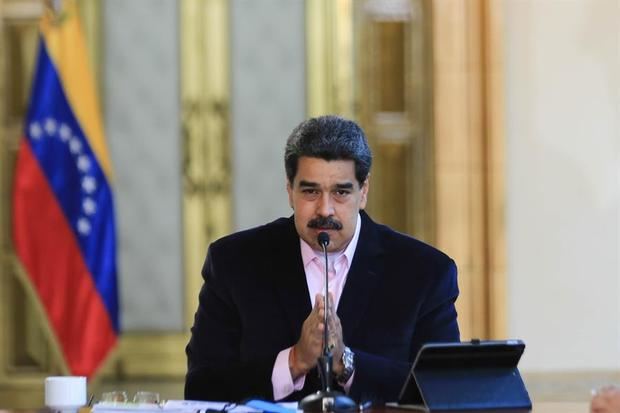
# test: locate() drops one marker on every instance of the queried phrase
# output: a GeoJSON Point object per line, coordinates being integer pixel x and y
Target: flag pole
{"type": "Point", "coordinates": [53, 6]}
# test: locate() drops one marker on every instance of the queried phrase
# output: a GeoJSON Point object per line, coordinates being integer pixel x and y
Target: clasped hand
{"type": "Point", "coordinates": [305, 353]}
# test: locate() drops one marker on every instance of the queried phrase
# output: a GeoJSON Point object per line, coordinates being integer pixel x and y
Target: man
{"type": "Point", "coordinates": [258, 330]}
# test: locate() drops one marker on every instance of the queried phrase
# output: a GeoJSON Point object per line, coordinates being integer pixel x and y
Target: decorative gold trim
{"type": "Point", "coordinates": [329, 55]}
{"type": "Point", "coordinates": [21, 10]}
{"type": "Point", "coordinates": [137, 352]}
{"type": "Point", "coordinates": [492, 26]}
{"type": "Point", "coordinates": [318, 62]}
{"type": "Point", "coordinates": [205, 97]}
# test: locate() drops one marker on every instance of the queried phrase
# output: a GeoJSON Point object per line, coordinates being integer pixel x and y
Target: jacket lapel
{"type": "Point", "coordinates": [363, 275]}
{"type": "Point", "coordinates": [290, 280]}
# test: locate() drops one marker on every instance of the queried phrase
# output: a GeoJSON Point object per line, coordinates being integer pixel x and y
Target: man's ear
{"type": "Point", "coordinates": [289, 190]}
{"type": "Point", "coordinates": [364, 192]}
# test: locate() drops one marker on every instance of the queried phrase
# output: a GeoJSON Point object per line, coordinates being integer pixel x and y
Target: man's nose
{"type": "Point", "coordinates": [325, 206]}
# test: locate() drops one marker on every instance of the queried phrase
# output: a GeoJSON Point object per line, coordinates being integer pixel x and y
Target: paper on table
{"type": "Point", "coordinates": [194, 406]}
{"type": "Point", "coordinates": [112, 407]}
{"type": "Point", "coordinates": [187, 406]}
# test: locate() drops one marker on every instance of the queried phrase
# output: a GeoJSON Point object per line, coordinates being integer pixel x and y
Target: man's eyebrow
{"type": "Point", "coordinates": [347, 185]}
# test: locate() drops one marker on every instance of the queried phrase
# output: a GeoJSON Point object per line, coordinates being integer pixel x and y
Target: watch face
{"type": "Point", "coordinates": [347, 361]}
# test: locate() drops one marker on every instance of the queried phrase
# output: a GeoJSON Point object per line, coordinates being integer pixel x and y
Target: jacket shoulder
{"type": "Point", "coordinates": [405, 246]}
{"type": "Point", "coordinates": [247, 247]}
{"type": "Point", "coordinates": [253, 237]}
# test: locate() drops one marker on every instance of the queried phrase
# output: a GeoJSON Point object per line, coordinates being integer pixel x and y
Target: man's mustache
{"type": "Point", "coordinates": [325, 223]}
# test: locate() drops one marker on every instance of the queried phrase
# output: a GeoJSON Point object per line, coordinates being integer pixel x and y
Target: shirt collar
{"type": "Point", "coordinates": [308, 254]}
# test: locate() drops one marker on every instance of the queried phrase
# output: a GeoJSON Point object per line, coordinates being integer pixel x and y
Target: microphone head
{"type": "Point", "coordinates": [323, 239]}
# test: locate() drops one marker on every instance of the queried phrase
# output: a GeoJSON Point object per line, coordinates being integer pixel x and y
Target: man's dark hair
{"type": "Point", "coordinates": [330, 138]}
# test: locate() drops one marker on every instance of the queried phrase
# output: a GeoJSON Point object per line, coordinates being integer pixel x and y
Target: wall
{"type": "Point", "coordinates": [141, 108]}
{"type": "Point", "coordinates": [268, 101]}
{"type": "Point", "coordinates": [563, 204]}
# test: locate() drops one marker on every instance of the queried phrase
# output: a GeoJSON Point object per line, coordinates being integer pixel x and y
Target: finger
{"type": "Point", "coordinates": [597, 404]}
{"type": "Point", "coordinates": [338, 326]}
{"type": "Point", "coordinates": [334, 322]}
{"type": "Point", "coordinates": [332, 300]}
{"type": "Point", "coordinates": [329, 303]}
{"type": "Point", "coordinates": [319, 301]}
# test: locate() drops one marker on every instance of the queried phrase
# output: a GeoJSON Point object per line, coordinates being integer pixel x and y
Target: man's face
{"type": "Point", "coordinates": [326, 197]}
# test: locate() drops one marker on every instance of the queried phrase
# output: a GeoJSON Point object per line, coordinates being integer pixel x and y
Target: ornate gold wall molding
{"type": "Point", "coordinates": [329, 51]}
{"type": "Point", "coordinates": [205, 97]}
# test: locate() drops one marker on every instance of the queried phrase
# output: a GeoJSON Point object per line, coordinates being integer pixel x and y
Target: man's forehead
{"type": "Point", "coordinates": [319, 166]}
{"type": "Point", "coordinates": [323, 172]}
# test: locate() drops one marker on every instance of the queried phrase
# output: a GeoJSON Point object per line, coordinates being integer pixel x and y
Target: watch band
{"type": "Point", "coordinates": [348, 361]}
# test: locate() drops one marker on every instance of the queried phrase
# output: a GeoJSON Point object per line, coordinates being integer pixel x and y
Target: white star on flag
{"type": "Point", "coordinates": [64, 132]}
{"type": "Point", "coordinates": [83, 226]}
{"type": "Point", "coordinates": [75, 146]}
{"type": "Point", "coordinates": [89, 206]}
{"type": "Point", "coordinates": [89, 184]}
{"type": "Point", "coordinates": [83, 163]}
{"type": "Point", "coordinates": [50, 126]}
{"type": "Point", "coordinates": [35, 130]}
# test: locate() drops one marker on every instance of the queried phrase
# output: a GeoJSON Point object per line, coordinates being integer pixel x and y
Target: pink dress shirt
{"type": "Point", "coordinates": [314, 266]}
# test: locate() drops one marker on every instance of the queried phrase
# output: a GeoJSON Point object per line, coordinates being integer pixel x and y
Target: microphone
{"type": "Point", "coordinates": [326, 360]}
{"type": "Point", "coordinates": [323, 239]}
{"type": "Point", "coordinates": [326, 400]}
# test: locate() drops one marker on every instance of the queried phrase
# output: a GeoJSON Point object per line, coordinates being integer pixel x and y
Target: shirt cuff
{"type": "Point", "coordinates": [281, 378]}
{"type": "Point", "coordinates": [348, 384]}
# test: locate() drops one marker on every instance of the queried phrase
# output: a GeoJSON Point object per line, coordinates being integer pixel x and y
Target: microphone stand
{"type": "Point", "coordinates": [326, 400]}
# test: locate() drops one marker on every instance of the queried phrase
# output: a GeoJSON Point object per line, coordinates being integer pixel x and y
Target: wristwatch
{"type": "Point", "coordinates": [349, 366]}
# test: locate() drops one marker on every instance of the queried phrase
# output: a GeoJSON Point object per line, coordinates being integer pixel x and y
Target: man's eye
{"type": "Point", "coordinates": [310, 194]}
{"type": "Point", "coordinates": [342, 193]}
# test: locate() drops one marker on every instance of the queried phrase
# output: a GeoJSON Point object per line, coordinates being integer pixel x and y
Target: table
{"type": "Point", "coordinates": [541, 407]}
{"type": "Point", "coordinates": [554, 407]}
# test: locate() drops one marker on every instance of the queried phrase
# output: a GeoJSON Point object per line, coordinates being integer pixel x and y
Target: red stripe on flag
{"type": "Point", "coordinates": [51, 255]}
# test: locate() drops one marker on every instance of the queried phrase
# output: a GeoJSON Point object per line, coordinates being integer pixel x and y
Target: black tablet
{"type": "Point", "coordinates": [476, 375]}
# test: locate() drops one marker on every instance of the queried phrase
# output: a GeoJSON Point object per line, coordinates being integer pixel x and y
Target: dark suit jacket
{"type": "Point", "coordinates": [399, 294]}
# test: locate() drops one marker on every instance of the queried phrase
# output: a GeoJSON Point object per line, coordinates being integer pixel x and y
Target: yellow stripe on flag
{"type": "Point", "coordinates": [63, 37]}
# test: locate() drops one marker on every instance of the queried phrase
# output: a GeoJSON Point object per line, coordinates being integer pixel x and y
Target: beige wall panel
{"type": "Point", "coordinates": [465, 146]}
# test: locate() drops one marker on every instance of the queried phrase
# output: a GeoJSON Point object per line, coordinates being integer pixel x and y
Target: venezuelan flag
{"type": "Point", "coordinates": [63, 216]}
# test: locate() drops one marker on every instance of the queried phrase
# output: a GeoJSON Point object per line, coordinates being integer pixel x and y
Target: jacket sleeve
{"type": "Point", "coordinates": [215, 370]}
{"type": "Point", "coordinates": [380, 379]}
